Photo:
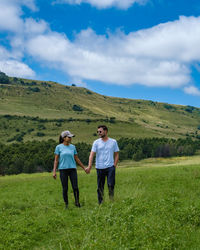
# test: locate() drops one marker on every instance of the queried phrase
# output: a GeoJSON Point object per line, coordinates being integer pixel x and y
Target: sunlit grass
{"type": "Point", "coordinates": [156, 206]}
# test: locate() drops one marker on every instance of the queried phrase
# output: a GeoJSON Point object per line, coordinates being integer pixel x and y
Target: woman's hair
{"type": "Point", "coordinates": [61, 140]}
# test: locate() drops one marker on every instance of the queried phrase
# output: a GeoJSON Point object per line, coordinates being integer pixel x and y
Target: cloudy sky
{"type": "Point", "coordinates": [141, 49]}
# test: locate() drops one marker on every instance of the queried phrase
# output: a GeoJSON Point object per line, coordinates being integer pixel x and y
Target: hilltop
{"type": "Point", "coordinates": [31, 109]}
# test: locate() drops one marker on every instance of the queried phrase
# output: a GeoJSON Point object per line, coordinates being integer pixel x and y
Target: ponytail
{"type": "Point", "coordinates": [61, 139]}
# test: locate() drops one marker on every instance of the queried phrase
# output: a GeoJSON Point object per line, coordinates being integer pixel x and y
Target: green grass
{"type": "Point", "coordinates": [156, 206]}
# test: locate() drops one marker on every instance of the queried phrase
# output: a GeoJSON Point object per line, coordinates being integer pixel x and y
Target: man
{"type": "Point", "coordinates": [107, 156]}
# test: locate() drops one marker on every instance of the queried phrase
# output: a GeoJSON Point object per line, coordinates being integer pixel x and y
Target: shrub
{"type": "Point", "coordinates": [40, 134]}
{"type": "Point", "coordinates": [36, 89]}
{"type": "Point", "coordinates": [88, 121]}
{"type": "Point", "coordinates": [4, 78]}
{"type": "Point", "coordinates": [15, 79]}
{"type": "Point", "coordinates": [168, 106]}
{"type": "Point", "coordinates": [58, 124]}
{"type": "Point", "coordinates": [112, 120]}
{"type": "Point", "coordinates": [77, 108]}
{"type": "Point", "coordinates": [41, 127]}
{"type": "Point", "coordinates": [189, 109]}
{"type": "Point", "coordinates": [45, 84]}
{"type": "Point", "coordinates": [30, 130]}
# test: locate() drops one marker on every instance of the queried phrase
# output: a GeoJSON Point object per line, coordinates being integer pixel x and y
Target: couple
{"type": "Point", "coordinates": [107, 156]}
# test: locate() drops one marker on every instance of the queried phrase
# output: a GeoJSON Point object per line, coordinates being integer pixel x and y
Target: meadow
{"type": "Point", "coordinates": [156, 206]}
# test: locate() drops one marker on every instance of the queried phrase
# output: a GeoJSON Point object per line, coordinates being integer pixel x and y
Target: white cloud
{"type": "Point", "coordinates": [16, 68]}
{"type": "Point", "coordinates": [10, 14]}
{"type": "Point", "coordinates": [4, 53]}
{"type": "Point", "coordinates": [159, 56]}
{"type": "Point", "coordinates": [101, 4]}
{"type": "Point", "coordinates": [32, 27]}
{"type": "Point", "coordinates": [173, 40]}
{"type": "Point", "coordinates": [192, 90]}
{"type": "Point", "coordinates": [11, 20]}
{"type": "Point", "coordinates": [28, 3]}
{"type": "Point", "coordinates": [11, 65]}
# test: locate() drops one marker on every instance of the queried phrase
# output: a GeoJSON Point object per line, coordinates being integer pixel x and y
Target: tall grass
{"type": "Point", "coordinates": [154, 208]}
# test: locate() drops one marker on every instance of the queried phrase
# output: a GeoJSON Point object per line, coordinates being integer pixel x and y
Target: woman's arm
{"type": "Point", "coordinates": [79, 162]}
{"type": "Point", "coordinates": [56, 160]}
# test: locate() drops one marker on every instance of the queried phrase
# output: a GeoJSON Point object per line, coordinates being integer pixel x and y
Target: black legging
{"type": "Point", "coordinates": [72, 173]}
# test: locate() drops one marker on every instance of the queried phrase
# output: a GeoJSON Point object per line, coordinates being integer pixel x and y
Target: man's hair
{"type": "Point", "coordinates": [103, 127]}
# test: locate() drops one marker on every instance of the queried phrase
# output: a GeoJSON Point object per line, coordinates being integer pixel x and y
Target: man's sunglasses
{"type": "Point", "coordinates": [99, 132]}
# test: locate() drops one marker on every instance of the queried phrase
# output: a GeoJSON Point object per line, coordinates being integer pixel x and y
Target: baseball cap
{"type": "Point", "coordinates": [66, 133]}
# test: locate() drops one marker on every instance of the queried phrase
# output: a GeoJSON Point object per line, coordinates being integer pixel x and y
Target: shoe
{"type": "Point", "coordinates": [77, 204]}
{"type": "Point", "coordinates": [66, 206]}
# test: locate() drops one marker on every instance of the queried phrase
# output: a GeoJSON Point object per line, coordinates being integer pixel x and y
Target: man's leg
{"type": "Point", "coordinates": [74, 182]}
{"type": "Point", "coordinates": [111, 182]}
{"type": "Point", "coordinates": [100, 183]}
{"type": "Point", "coordinates": [64, 182]}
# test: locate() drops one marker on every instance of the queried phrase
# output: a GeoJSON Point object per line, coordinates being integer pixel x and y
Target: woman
{"type": "Point", "coordinates": [66, 156]}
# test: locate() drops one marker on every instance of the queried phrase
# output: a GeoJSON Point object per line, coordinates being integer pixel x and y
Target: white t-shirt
{"type": "Point", "coordinates": [105, 152]}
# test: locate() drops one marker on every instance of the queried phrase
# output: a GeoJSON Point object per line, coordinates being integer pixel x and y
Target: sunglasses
{"type": "Point", "coordinates": [99, 132]}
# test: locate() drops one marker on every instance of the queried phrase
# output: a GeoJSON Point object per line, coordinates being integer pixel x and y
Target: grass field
{"type": "Point", "coordinates": [157, 206]}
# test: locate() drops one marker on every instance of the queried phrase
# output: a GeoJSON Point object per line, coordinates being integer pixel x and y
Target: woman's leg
{"type": "Point", "coordinates": [74, 182]}
{"type": "Point", "coordinates": [64, 181]}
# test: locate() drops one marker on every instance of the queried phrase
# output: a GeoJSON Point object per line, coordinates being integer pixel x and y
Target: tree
{"type": "Point", "coordinates": [112, 119]}
{"type": "Point", "coordinates": [4, 78]}
{"type": "Point", "coordinates": [77, 108]}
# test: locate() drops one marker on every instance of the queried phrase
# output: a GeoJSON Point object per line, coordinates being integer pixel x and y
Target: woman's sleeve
{"type": "Point", "coordinates": [57, 151]}
{"type": "Point", "coordinates": [75, 152]}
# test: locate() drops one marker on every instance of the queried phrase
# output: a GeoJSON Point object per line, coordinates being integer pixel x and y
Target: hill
{"type": "Point", "coordinates": [31, 109]}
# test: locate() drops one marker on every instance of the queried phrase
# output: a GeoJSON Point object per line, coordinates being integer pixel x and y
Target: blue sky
{"type": "Point", "coordinates": [140, 49]}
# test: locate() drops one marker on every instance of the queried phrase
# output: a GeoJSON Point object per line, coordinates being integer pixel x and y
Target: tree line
{"type": "Point", "coordinates": [35, 156]}
{"type": "Point", "coordinates": [137, 149]}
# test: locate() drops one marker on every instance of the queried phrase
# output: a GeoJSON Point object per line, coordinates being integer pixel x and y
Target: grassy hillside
{"type": "Point", "coordinates": [156, 206]}
{"type": "Point", "coordinates": [50, 107]}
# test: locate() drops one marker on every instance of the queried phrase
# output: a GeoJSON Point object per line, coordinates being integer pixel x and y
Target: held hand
{"type": "Point", "coordinates": [87, 170]}
{"type": "Point", "coordinates": [54, 175]}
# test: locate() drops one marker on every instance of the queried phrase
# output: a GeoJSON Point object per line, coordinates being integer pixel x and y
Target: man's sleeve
{"type": "Point", "coordinates": [94, 147]}
{"type": "Point", "coordinates": [116, 148]}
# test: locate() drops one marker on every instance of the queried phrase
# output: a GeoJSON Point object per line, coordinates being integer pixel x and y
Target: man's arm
{"type": "Point", "coordinates": [91, 157]}
{"type": "Point", "coordinates": [116, 158]}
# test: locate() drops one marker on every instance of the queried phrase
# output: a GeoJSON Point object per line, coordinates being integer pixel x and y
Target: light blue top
{"type": "Point", "coordinates": [105, 152]}
{"type": "Point", "coordinates": [66, 156]}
